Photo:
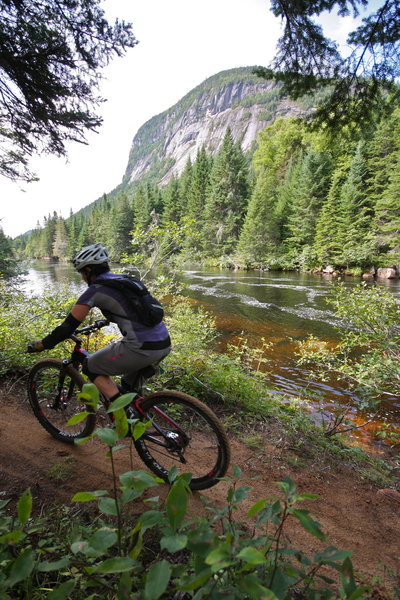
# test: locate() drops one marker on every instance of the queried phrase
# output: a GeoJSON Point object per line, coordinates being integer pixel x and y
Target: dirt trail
{"type": "Point", "coordinates": [354, 514]}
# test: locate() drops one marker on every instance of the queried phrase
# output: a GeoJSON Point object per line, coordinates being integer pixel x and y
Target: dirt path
{"type": "Point", "coordinates": [354, 514]}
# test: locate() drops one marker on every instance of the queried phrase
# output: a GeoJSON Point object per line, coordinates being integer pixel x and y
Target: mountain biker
{"type": "Point", "coordinates": [140, 345]}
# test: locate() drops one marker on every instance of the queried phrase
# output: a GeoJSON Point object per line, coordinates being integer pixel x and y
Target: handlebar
{"type": "Point", "coordinates": [90, 328]}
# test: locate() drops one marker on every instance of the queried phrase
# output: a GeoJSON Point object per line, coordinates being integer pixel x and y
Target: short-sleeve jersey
{"type": "Point", "coordinates": [117, 308]}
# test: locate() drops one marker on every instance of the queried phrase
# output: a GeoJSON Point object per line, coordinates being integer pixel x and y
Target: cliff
{"type": "Point", "coordinates": [235, 98]}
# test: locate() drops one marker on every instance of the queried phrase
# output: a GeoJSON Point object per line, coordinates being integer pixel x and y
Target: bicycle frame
{"type": "Point", "coordinates": [78, 356]}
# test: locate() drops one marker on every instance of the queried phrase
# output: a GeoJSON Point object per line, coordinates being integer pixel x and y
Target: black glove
{"type": "Point", "coordinates": [36, 346]}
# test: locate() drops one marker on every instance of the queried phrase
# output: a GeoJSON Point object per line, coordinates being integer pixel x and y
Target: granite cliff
{"type": "Point", "coordinates": [235, 98]}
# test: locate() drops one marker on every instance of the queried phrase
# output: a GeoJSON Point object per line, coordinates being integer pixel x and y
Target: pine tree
{"type": "Point", "coordinates": [311, 190]}
{"type": "Point", "coordinates": [60, 244]}
{"type": "Point", "coordinates": [260, 234]}
{"type": "Point", "coordinates": [227, 201]}
{"type": "Point", "coordinates": [141, 208]}
{"type": "Point", "coordinates": [171, 201]}
{"type": "Point", "coordinates": [356, 214]}
{"type": "Point", "coordinates": [8, 263]}
{"type": "Point", "coordinates": [387, 210]}
{"type": "Point", "coordinates": [327, 243]}
{"type": "Point", "coordinates": [122, 220]}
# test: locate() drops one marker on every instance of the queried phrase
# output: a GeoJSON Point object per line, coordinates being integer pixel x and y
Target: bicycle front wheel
{"type": "Point", "coordinates": [186, 434]}
{"type": "Point", "coordinates": [52, 392]}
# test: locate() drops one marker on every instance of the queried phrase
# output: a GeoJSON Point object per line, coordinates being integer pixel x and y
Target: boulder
{"type": "Point", "coordinates": [387, 273]}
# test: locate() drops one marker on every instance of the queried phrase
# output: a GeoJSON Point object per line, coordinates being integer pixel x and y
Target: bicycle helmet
{"type": "Point", "coordinates": [95, 254]}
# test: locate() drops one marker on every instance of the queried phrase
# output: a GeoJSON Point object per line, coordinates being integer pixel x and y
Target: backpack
{"type": "Point", "coordinates": [148, 310]}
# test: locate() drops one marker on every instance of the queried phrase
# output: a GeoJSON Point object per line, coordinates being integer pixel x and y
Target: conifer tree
{"type": "Point", "coordinates": [141, 208]}
{"type": "Point", "coordinates": [327, 243]}
{"type": "Point", "coordinates": [60, 244]}
{"type": "Point", "coordinates": [387, 211]}
{"type": "Point", "coordinates": [8, 263]}
{"type": "Point", "coordinates": [171, 201]}
{"type": "Point", "coordinates": [122, 220]}
{"type": "Point", "coordinates": [185, 191]}
{"type": "Point", "coordinates": [310, 193]}
{"type": "Point", "coordinates": [227, 201]}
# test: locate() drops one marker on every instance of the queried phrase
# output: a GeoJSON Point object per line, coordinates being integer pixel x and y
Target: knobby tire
{"type": "Point", "coordinates": [42, 391]}
{"type": "Point", "coordinates": [206, 449]}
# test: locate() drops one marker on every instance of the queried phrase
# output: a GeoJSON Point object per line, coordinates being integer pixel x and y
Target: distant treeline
{"type": "Point", "coordinates": [305, 199]}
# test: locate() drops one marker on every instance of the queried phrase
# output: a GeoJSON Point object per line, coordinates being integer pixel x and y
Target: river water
{"type": "Point", "coordinates": [281, 308]}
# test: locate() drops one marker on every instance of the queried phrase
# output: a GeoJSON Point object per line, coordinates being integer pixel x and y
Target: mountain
{"type": "Point", "coordinates": [235, 98]}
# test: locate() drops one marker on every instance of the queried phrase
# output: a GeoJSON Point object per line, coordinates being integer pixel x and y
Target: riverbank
{"type": "Point", "coordinates": [356, 510]}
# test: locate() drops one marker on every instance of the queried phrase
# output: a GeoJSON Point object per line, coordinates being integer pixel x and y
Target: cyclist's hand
{"type": "Point", "coordinates": [36, 346]}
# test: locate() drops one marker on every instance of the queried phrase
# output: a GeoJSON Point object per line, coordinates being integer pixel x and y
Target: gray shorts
{"type": "Point", "coordinates": [124, 358]}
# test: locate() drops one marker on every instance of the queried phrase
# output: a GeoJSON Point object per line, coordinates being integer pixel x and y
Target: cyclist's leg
{"type": "Point", "coordinates": [142, 359]}
{"type": "Point", "coordinates": [120, 358]}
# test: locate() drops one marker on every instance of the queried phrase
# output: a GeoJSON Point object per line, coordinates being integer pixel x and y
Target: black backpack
{"type": "Point", "coordinates": [148, 310]}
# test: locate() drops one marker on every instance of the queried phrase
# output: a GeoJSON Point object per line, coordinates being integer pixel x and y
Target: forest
{"type": "Point", "coordinates": [303, 199]}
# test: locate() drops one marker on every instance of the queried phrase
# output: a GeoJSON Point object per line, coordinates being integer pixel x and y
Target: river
{"type": "Point", "coordinates": [282, 308]}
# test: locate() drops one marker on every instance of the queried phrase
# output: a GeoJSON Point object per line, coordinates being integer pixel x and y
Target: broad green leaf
{"type": "Point", "coordinates": [121, 423]}
{"type": "Point", "coordinates": [120, 402]}
{"type": "Point", "coordinates": [236, 471]}
{"type": "Point", "coordinates": [217, 555]}
{"type": "Point", "coordinates": [139, 479]}
{"type": "Point", "coordinates": [308, 523]}
{"type": "Point", "coordinates": [150, 519]}
{"type": "Point", "coordinates": [157, 580]}
{"type": "Point", "coordinates": [21, 568]}
{"type": "Point", "coordinates": [197, 581]}
{"type": "Point", "coordinates": [78, 418]}
{"type": "Point", "coordinates": [90, 395]}
{"type": "Point", "coordinates": [139, 428]}
{"type": "Point", "coordinates": [252, 556]}
{"type": "Point", "coordinates": [347, 576]}
{"type": "Point", "coordinates": [25, 506]}
{"type": "Point", "coordinates": [250, 584]}
{"type": "Point", "coordinates": [63, 592]}
{"type": "Point", "coordinates": [176, 503]}
{"type": "Point", "coordinates": [108, 436]}
{"type": "Point", "coordinates": [108, 506]}
{"type": "Point", "coordinates": [83, 497]}
{"type": "Point", "coordinates": [80, 546]}
{"type": "Point", "coordinates": [54, 566]}
{"type": "Point", "coordinates": [257, 507]}
{"type": "Point", "coordinates": [331, 554]}
{"type": "Point", "coordinates": [118, 564]}
{"type": "Point", "coordinates": [102, 539]}
{"type": "Point", "coordinates": [174, 543]}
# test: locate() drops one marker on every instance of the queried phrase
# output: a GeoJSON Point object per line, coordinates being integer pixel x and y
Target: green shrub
{"type": "Point", "coordinates": [56, 558]}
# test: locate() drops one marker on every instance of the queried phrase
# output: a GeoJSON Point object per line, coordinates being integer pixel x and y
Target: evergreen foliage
{"type": "Point", "coordinates": [51, 56]}
{"type": "Point", "coordinates": [355, 84]}
{"type": "Point", "coordinates": [306, 200]}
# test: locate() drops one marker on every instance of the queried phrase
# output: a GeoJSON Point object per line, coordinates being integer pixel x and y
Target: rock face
{"type": "Point", "coordinates": [235, 99]}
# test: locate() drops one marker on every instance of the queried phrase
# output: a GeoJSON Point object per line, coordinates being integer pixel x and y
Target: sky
{"type": "Point", "coordinates": [181, 43]}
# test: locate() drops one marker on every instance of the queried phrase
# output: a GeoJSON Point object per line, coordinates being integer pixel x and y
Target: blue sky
{"type": "Point", "coordinates": [182, 42]}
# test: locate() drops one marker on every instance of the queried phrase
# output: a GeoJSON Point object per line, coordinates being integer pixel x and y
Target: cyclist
{"type": "Point", "coordinates": [140, 345]}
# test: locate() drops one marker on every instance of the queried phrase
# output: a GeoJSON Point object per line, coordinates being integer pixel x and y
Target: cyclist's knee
{"type": "Point", "coordinates": [85, 369]}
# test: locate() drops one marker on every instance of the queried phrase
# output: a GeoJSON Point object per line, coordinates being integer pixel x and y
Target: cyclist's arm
{"type": "Point", "coordinates": [63, 331]}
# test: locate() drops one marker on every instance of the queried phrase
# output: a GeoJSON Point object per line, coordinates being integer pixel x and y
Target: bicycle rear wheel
{"type": "Point", "coordinates": [186, 434]}
{"type": "Point", "coordinates": [52, 393]}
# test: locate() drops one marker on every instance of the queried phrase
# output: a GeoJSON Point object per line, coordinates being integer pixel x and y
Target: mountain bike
{"type": "Point", "coordinates": [181, 431]}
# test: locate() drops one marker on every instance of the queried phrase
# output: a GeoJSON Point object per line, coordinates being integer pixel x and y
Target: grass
{"type": "Point", "coordinates": [61, 471]}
